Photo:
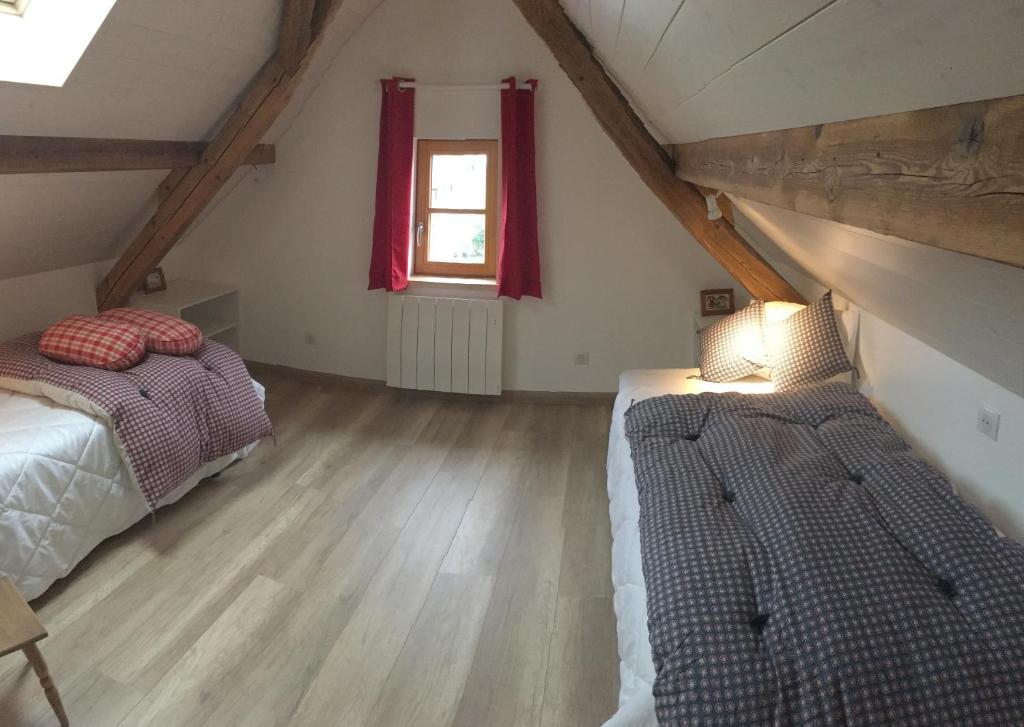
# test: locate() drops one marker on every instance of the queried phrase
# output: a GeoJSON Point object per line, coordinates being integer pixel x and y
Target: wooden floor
{"type": "Point", "coordinates": [394, 560]}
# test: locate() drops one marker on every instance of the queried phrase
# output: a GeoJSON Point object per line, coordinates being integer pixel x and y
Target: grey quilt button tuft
{"type": "Point", "coordinates": [759, 622]}
{"type": "Point", "coordinates": [946, 587]}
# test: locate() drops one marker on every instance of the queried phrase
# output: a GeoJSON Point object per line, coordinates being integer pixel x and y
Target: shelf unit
{"type": "Point", "coordinates": [211, 306]}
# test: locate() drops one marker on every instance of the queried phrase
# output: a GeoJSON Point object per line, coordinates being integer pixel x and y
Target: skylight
{"type": "Point", "coordinates": [13, 6]}
{"type": "Point", "coordinates": [41, 41]}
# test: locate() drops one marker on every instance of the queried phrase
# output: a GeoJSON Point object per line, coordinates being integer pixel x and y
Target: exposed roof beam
{"type": "Point", "coordinates": [951, 177]}
{"type": "Point", "coordinates": [296, 33]}
{"type": "Point", "coordinates": [261, 104]}
{"type": "Point", "coordinates": [43, 154]}
{"type": "Point", "coordinates": [651, 161]}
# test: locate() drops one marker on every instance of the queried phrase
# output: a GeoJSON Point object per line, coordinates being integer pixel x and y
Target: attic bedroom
{"type": "Point", "coordinates": [511, 363]}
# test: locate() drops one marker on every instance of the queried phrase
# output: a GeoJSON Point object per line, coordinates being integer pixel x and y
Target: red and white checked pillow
{"type": "Point", "coordinates": [104, 344]}
{"type": "Point", "coordinates": [163, 333]}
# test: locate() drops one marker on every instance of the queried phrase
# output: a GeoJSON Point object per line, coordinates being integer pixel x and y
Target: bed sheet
{"type": "Point", "coordinates": [636, 666]}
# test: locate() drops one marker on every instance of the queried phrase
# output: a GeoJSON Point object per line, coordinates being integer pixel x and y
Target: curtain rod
{"type": "Point", "coordinates": [466, 87]}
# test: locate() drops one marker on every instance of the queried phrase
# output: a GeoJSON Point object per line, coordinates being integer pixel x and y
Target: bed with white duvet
{"type": "Point", "coordinates": [64, 488]}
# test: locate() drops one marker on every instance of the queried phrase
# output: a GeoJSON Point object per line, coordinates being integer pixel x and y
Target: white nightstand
{"type": "Point", "coordinates": [211, 306]}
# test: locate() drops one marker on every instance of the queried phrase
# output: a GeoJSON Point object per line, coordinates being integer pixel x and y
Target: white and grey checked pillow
{"type": "Point", "coordinates": [723, 345]}
{"type": "Point", "coordinates": [812, 349]}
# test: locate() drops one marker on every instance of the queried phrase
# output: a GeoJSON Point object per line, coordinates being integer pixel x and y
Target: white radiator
{"type": "Point", "coordinates": [444, 344]}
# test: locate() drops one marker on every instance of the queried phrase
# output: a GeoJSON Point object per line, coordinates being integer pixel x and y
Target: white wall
{"type": "Point", "coordinates": [32, 302]}
{"type": "Point", "coordinates": [931, 399]}
{"type": "Point", "coordinates": [933, 402]}
{"type": "Point", "coordinates": [970, 309]}
{"type": "Point", "coordinates": [620, 276]}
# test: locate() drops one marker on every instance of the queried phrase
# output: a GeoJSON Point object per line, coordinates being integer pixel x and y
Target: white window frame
{"type": "Point", "coordinates": [14, 7]}
{"type": "Point", "coordinates": [44, 43]}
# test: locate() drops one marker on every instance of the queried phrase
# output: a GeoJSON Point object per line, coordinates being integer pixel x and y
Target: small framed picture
{"type": "Point", "coordinates": [154, 282]}
{"type": "Point", "coordinates": [717, 302]}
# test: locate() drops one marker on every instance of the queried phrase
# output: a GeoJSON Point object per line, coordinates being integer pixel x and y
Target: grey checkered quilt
{"type": "Point", "coordinates": [803, 567]}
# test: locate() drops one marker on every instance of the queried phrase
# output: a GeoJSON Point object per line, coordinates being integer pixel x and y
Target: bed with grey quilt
{"type": "Point", "coordinates": [804, 567]}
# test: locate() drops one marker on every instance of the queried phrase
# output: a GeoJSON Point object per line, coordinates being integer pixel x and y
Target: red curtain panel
{"type": "Point", "coordinates": [518, 248]}
{"type": "Point", "coordinates": [392, 222]}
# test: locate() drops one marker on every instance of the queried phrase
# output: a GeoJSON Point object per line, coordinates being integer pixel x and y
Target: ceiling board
{"type": "Point", "coordinates": [858, 59]}
{"type": "Point", "coordinates": [640, 31]}
{"type": "Point", "coordinates": [701, 69]}
{"type": "Point", "coordinates": [57, 220]}
{"type": "Point", "coordinates": [605, 17]}
{"type": "Point", "coordinates": [707, 37]}
{"type": "Point", "coordinates": [579, 11]}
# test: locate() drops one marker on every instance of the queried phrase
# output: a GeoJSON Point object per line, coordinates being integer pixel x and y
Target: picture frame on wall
{"type": "Point", "coordinates": [717, 302]}
{"type": "Point", "coordinates": [154, 282]}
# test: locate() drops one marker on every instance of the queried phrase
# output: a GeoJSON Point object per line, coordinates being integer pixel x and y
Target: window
{"type": "Point", "coordinates": [41, 41]}
{"type": "Point", "coordinates": [456, 208]}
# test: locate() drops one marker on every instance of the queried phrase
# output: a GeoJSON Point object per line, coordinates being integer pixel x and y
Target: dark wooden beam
{"type": "Point", "coordinates": [951, 177]}
{"type": "Point", "coordinates": [647, 157]}
{"type": "Point", "coordinates": [262, 155]}
{"type": "Point", "coordinates": [296, 33]}
{"type": "Point", "coordinates": [44, 154]}
{"type": "Point", "coordinates": [260, 105]}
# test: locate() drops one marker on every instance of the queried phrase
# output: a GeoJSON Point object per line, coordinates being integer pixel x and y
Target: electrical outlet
{"type": "Point", "coordinates": [310, 339]}
{"type": "Point", "coordinates": [988, 422]}
{"type": "Point", "coordinates": [582, 359]}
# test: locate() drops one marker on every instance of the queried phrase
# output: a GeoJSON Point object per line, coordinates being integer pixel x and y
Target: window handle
{"type": "Point", "coordinates": [419, 234]}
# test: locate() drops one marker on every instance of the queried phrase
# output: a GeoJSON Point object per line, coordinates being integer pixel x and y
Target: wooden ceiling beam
{"type": "Point", "coordinates": [260, 105]}
{"type": "Point", "coordinates": [296, 33]}
{"type": "Point", "coordinates": [951, 177]}
{"type": "Point", "coordinates": [652, 162]}
{"type": "Point", "coordinates": [46, 154]}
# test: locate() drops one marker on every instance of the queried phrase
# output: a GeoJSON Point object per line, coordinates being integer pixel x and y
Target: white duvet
{"type": "Point", "coordinates": [64, 488]}
{"type": "Point", "coordinates": [636, 666]}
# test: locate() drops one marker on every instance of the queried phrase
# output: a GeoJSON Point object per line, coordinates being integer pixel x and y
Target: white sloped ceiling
{"type": "Point", "coordinates": [157, 69]}
{"type": "Point", "coordinates": [699, 69]}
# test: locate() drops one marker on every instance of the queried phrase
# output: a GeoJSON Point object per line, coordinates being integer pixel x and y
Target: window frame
{"type": "Point", "coordinates": [13, 7]}
{"type": "Point", "coordinates": [426, 149]}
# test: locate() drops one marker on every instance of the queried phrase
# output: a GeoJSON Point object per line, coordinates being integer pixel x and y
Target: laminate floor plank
{"type": "Point", "coordinates": [582, 661]}
{"type": "Point", "coordinates": [358, 665]}
{"type": "Point", "coordinates": [505, 687]}
{"type": "Point", "coordinates": [586, 570]}
{"type": "Point", "coordinates": [426, 682]}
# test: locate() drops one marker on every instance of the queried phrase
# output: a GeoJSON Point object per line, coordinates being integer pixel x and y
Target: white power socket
{"type": "Point", "coordinates": [988, 422]}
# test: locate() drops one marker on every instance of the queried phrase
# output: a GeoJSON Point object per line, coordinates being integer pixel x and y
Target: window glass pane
{"type": "Point", "coordinates": [456, 238]}
{"type": "Point", "coordinates": [458, 181]}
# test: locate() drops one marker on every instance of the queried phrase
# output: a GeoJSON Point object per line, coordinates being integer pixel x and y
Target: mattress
{"type": "Point", "coordinates": [64, 488]}
{"type": "Point", "coordinates": [636, 666]}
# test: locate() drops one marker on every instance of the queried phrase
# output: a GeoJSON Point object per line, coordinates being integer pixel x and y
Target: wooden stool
{"type": "Point", "coordinates": [20, 629]}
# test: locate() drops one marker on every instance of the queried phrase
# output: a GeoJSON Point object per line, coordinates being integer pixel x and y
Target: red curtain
{"type": "Point", "coordinates": [518, 249]}
{"type": "Point", "coordinates": [389, 260]}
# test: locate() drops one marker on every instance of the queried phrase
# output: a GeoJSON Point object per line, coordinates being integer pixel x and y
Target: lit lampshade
{"type": "Point", "coordinates": [749, 344]}
{"type": "Point", "coordinates": [775, 314]}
